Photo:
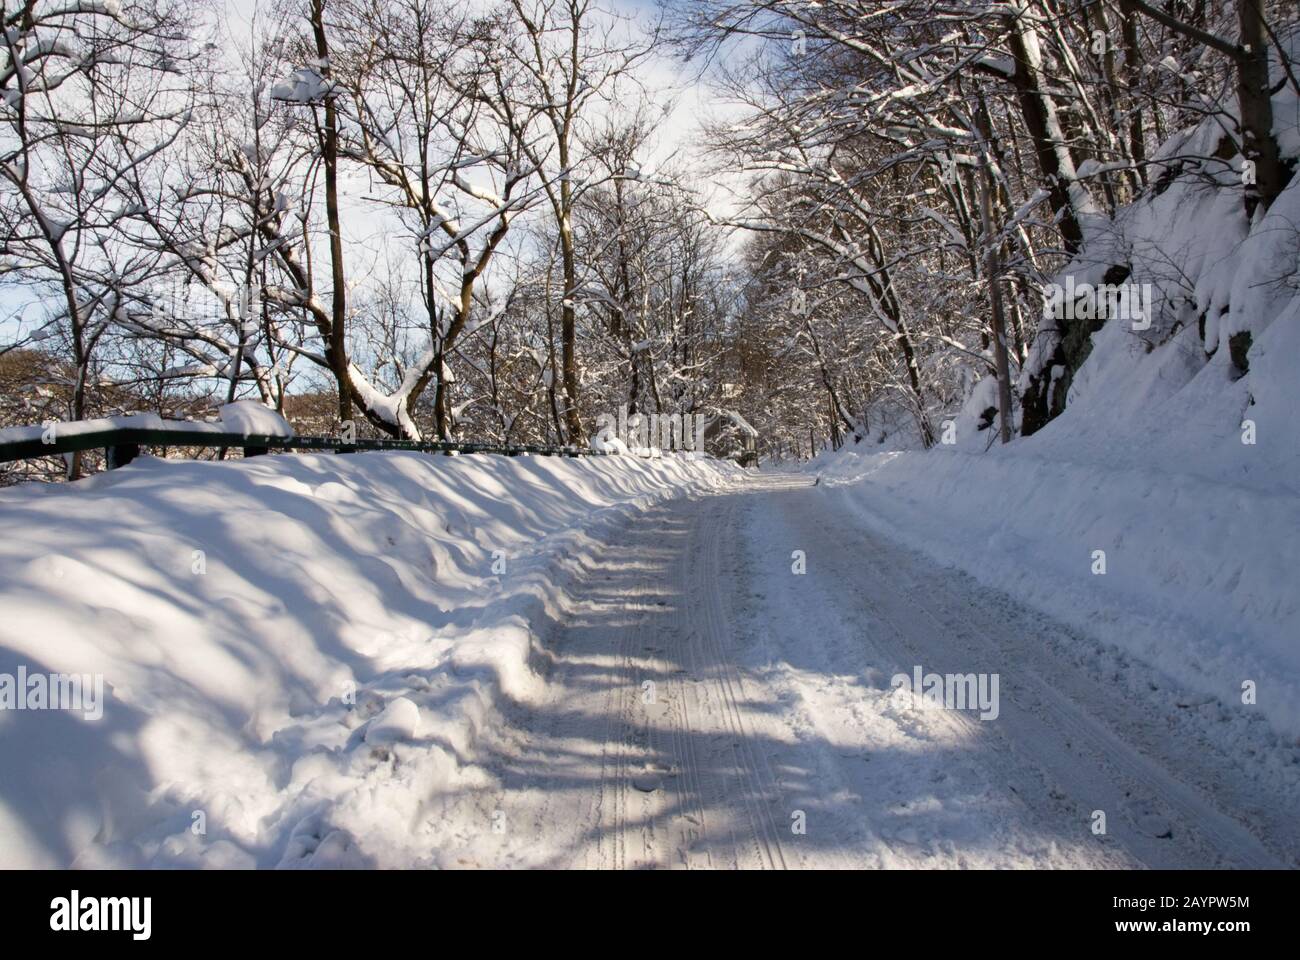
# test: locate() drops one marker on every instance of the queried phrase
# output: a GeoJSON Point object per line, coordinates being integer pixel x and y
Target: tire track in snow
{"type": "Point", "coordinates": [756, 786]}
{"type": "Point", "coordinates": [1115, 766]}
{"type": "Point", "coordinates": [1039, 723]}
{"type": "Point", "coordinates": [762, 705]}
{"type": "Point", "coordinates": [761, 773]}
{"type": "Point", "coordinates": [807, 619]}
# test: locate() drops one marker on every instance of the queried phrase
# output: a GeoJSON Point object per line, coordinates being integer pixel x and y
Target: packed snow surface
{"type": "Point", "coordinates": [392, 660]}
{"type": "Point", "coordinates": [282, 639]}
{"type": "Point", "coordinates": [1198, 576]}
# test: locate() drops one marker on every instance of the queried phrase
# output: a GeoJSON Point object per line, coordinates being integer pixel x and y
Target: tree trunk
{"type": "Point", "coordinates": [568, 328]}
{"type": "Point", "coordinates": [992, 271]}
{"type": "Point", "coordinates": [1258, 144]}
{"type": "Point", "coordinates": [336, 348]}
{"type": "Point", "coordinates": [1041, 120]}
{"type": "Point", "coordinates": [1132, 73]}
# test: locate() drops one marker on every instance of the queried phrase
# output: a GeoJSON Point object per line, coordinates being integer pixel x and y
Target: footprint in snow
{"type": "Point", "coordinates": [399, 721]}
{"type": "Point", "coordinates": [1148, 821]}
{"type": "Point", "coordinates": [652, 778]}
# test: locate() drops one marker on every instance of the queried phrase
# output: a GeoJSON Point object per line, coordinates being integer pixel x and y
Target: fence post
{"type": "Point", "coordinates": [120, 454]}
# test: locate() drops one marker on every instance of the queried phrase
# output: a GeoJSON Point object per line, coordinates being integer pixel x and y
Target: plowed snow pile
{"type": "Point", "coordinates": [297, 652]}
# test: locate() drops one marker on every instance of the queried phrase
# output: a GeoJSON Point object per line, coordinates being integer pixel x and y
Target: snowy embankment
{"type": "Point", "coordinates": [1199, 577]}
{"type": "Point", "coordinates": [297, 652]}
{"type": "Point", "coordinates": [1178, 455]}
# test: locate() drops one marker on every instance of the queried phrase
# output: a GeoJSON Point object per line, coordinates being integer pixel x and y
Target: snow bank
{"type": "Point", "coordinates": [1199, 576]}
{"type": "Point", "coordinates": [298, 652]}
{"type": "Point", "coordinates": [252, 418]}
{"type": "Point", "coordinates": [1178, 459]}
{"type": "Point", "coordinates": [1181, 466]}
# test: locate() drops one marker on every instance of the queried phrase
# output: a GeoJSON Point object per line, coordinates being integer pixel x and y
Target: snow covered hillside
{"type": "Point", "coordinates": [1199, 576]}
{"type": "Point", "coordinates": [1178, 453]}
{"type": "Point", "coordinates": [284, 642]}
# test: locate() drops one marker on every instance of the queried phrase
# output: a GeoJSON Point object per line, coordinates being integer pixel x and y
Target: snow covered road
{"type": "Point", "coordinates": [709, 707]}
{"type": "Point", "coordinates": [680, 665]}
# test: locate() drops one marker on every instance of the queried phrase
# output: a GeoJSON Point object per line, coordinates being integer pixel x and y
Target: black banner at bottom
{"type": "Point", "coordinates": [338, 910]}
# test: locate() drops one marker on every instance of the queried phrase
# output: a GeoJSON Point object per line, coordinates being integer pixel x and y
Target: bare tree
{"type": "Point", "coordinates": [87, 91]}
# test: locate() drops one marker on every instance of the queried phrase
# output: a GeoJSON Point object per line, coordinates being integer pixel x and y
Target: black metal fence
{"type": "Point", "coordinates": [121, 445]}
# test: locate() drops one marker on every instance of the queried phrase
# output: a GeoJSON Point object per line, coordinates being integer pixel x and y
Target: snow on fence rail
{"type": "Point", "coordinates": [122, 438]}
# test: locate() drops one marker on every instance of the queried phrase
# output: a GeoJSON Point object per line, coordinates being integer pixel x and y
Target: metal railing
{"type": "Point", "coordinates": [121, 445]}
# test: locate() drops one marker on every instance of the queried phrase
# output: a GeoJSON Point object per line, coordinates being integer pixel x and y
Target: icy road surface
{"type": "Point", "coordinates": [710, 708]}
